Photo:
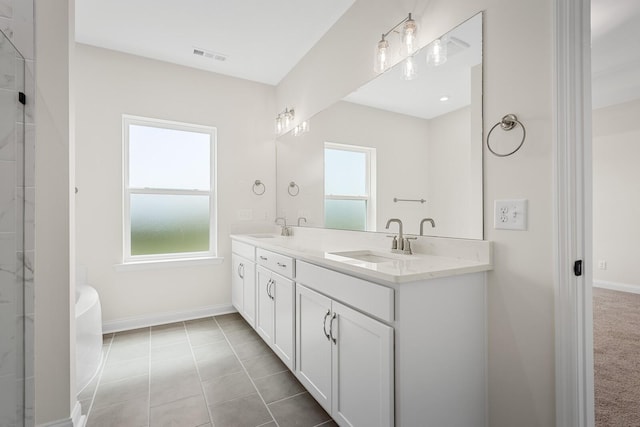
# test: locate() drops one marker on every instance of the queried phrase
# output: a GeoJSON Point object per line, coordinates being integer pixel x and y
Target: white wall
{"type": "Point", "coordinates": [517, 79]}
{"type": "Point", "coordinates": [616, 199]}
{"type": "Point", "coordinates": [55, 393]}
{"type": "Point", "coordinates": [110, 84]}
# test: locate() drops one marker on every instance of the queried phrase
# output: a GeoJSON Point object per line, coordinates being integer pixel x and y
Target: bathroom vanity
{"type": "Point", "coordinates": [378, 338]}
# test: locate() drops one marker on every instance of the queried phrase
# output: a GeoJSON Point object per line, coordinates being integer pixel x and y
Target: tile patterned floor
{"type": "Point", "coordinates": [214, 372]}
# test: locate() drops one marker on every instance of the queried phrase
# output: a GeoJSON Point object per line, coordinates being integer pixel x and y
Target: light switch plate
{"type": "Point", "coordinates": [510, 214]}
{"type": "Point", "coordinates": [245, 214]}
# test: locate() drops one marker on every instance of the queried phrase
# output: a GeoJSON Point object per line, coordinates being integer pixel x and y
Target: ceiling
{"type": "Point", "coordinates": [260, 40]}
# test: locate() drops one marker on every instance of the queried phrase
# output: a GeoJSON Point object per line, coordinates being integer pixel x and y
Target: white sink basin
{"type": "Point", "coordinates": [366, 256]}
{"type": "Point", "coordinates": [262, 236]}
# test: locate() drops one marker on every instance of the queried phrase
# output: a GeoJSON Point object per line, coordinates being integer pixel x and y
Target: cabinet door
{"type": "Point", "coordinates": [313, 345]}
{"type": "Point", "coordinates": [264, 315]}
{"type": "Point", "coordinates": [249, 292]}
{"type": "Point", "coordinates": [362, 383]}
{"type": "Point", "coordinates": [283, 298]}
{"type": "Point", "coordinates": [237, 282]}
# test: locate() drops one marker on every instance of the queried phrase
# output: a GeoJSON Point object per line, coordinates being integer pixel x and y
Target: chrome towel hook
{"type": "Point", "coordinates": [507, 123]}
{"type": "Point", "coordinates": [257, 186]}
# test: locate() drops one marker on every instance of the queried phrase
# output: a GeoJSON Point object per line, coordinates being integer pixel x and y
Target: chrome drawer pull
{"type": "Point", "coordinates": [282, 265]}
{"type": "Point", "coordinates": [264, 258]}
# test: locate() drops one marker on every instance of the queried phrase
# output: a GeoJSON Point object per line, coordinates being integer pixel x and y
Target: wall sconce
{"type": "Point", "coordinates": [284, 119]}
{"type": "Point", "coordinates": [301, 128]}
{"type": "Point", "coordinates": [409, 33]}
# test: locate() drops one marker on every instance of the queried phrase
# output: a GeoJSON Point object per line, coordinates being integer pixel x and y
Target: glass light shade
{"type": "Point", "coordinates": [409, 37]}
{"type": "Point", "coordinates": [305, 126]}
{"type": "Point", "coordinates": [409, 69]}
{"type": "Point", "coordinates": [382, 56]}
{"type": "Point", "coordinates": [279, 126]}
{"type": "Point", "coordinates": [437, 54]}
{"type": "Point", "coordinates": [287, 118]}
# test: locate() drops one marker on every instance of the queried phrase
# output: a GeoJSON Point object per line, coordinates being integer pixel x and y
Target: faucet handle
{"type": "Point", "coordinates": [406, 245]}
{"type": "Point", "coordinates": [394, 242]}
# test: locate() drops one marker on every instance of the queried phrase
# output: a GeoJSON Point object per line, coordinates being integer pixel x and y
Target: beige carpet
{"type": "Point", "coordinates": [616, 342]}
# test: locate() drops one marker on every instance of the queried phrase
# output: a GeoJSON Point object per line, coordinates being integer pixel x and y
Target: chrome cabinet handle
{"type": "Point", "coordinates": [282, 265]}
{"type": "Point", "coordinates": [241, 270]}
{"type": "Point", "coordinates": [273, 282]}
{"type": "Point", "coordinates": [324, 325]}
{"type": "Point", "coordinates": [331, 328]}
{"type": "Point", "coordinates": [268, 286]}
{"type": "Point", "coordinates": [264, 258]}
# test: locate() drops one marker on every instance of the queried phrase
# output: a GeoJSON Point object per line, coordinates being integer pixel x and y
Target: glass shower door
{"type": "Point", "coordinates": [12, 271]}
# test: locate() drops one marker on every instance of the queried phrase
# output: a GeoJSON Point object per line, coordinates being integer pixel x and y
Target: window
{"type": "Point", "coordinates": [349, 187]}
{"type": "Point", "coordinates": [169, 190]}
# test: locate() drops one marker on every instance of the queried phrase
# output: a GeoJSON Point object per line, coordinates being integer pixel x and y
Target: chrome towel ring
{"type": "Point", "coordinates": [293, 189]}
{"type": "Point", "coordinates": [257, 186]}
{"type": "Point", "coordinates": [507, 123]}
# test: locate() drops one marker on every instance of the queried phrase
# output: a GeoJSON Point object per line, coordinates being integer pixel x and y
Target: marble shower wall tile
{"type": "Point", "coordinates": [7, 196]}
{"type": "Point", "coordinates": [8, 400]}
{"type": "Point", "coordinates": [8, 104]}
{"type": "Point", "coordinates": [25, 148]}
{"type": "Point", "coordinates": [6, 8]}
{"type": "Point", "coordinates": [8, 60]}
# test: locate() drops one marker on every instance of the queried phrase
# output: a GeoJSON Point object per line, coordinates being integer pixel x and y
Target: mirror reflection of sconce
{"type": "Point", "coordinates": [284, 119]}
{"type": "Point", "coordinates": [258, 188]}
{"type": "Point", "coordinates": [303, 127]}
{"type": "Point", "coordinates": [293, 189]}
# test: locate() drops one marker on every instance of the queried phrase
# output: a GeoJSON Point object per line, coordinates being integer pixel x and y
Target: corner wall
{"type": "Point", "coordinates": [518, 67]}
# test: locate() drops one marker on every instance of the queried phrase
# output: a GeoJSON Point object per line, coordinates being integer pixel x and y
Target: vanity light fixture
{"type": "Point", "coordinates": [437, 53]}
{"type": "Point", "coordinates": [409, 33]}
{"type": "Point", "coordinates": [301, 128]}
{"type": "Point", "coordinates": [409, 68]}
{"type": "Point", "coordinates": [284, 119]}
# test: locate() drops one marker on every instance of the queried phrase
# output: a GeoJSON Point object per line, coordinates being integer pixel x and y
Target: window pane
{"type": "Point", "coordinates": [168, 158]}
{"type": "Point", "coordinates": [162, 224]}
{"type": "Point", "coordinates": [345, 214]}
{"type": "Point", "coordinates": [345, 172]}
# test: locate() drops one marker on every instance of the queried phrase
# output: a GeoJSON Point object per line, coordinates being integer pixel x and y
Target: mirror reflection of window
{"type": "Point", "coordinates": [349, 187]}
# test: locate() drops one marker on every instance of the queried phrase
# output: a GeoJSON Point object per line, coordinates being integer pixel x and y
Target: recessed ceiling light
{"type": "Point", "coordinates": [444, 98]}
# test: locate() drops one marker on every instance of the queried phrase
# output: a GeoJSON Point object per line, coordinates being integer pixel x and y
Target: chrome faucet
{"type": "Point", "coordinates": [285, 230]}
{"type": "Point", "coordinates": [301, 218]}
{"type": "Point", "coordinates": [433, 224]}
{"type": "Point", "coordinates": [400, 237]}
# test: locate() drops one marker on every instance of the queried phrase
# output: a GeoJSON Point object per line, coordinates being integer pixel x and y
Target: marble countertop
{"type": "Point", "coordinates": [377, 264]}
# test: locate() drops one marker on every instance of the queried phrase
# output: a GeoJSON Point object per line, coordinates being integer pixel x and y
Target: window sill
{"type": "Point", "coordinates": [167, 263]}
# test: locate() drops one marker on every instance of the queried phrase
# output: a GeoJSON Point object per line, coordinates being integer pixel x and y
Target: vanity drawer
{"type": "Point", "coordinates": [369, 297]}
{"type": "Point", "coordinates": [243, 249]}
{"type": "Point", "coordinates": [281, 264]}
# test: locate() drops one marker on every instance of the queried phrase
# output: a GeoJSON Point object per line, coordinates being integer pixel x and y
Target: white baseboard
{"type": "Point", "coordinates": [75, 420]}
{"type": "Point", "coordinates": [164, 318]}
{"type": "Point", "coordinates": [615, 286]}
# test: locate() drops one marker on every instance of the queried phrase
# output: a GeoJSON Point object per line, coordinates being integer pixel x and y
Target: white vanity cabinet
{"type": "Point", "coordinates": [243, 281]}
{"type": "Point", "coordinates": [345, 360]}
{"type": "Point", "coordinates": [275, 314]}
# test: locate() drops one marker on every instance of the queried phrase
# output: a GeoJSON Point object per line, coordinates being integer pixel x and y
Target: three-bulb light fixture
{"type": "Point", "coordinates": [284, 120]}
{"type": "Point", "coordinates": [436, 54]}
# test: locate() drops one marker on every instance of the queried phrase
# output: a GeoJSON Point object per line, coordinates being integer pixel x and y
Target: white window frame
{"type": "Point", "coordinates": [127, 121]}
{"type": "Point", "coordinates": [370, 181]}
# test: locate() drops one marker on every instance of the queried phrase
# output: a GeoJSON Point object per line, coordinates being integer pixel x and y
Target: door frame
{"type": "Point", "coordinates": [572, 211]}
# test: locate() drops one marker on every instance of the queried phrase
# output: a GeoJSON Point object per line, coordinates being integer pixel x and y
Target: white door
{"type": "Point", "coordinates": [283, 298]}
{"type": "Point", "coordinates": [237, 282]}
{"type": "Point", "coordinates": [313, 345]}
{"type": "Point", "coordinates": [362, 391]}
{"type": "Point", "coordinates": [249, 295]}
{"type": "Point", "coordinates": [264, 315]}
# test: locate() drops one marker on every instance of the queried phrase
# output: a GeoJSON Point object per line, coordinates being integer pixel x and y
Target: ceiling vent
{"type": "Point", "coordinates": [209, 54]}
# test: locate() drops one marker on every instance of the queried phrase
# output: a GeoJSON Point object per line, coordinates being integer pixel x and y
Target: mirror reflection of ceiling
{"type": "Point", "coordinates": [261, 40]}
{"type": "Point", "coordinates": [615, 57]}
{"type": "Point", "coordinates": [390, 92]}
